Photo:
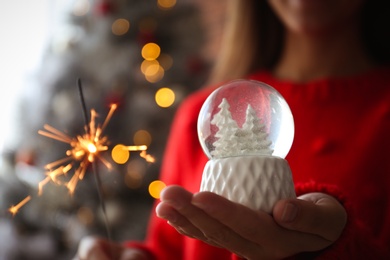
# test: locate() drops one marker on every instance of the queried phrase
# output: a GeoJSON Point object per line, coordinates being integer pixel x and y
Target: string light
{"type": "Point", "coordinates": [165, 97]}
{"type": "Point", "coordinates": [153, 69]}
{"type": "Point", "coordinates": [150, 51]}
{"type": "Point", "coordinates": [165, 61]}
{"type": "Point", "coordinates": [146, 64]}
{"type": "Point", "coordinates": [155, 188]}
{"type": "Point", "coordinates": [166, 4]}
{"type": "Point", "coordinates": [120, 26]}
{"type": "Point", "coordinates": [154, 76]}
{"type": "Point", "coordinates": [142, 137]}
{"type": "Point", "coordinates": [120, 154]}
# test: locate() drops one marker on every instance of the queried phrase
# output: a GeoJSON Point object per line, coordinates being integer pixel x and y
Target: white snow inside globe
{"type": "Point", "coordinates": [245, 117]}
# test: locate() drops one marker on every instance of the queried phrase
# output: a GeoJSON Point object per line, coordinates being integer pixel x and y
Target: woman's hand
{"type": "Point", "coordinates": [310, 223]}
{"type": "Point", "coordinates": [92, 248]}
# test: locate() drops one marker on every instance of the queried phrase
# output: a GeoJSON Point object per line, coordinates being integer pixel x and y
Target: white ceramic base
{"type": "Point", "coordinates": [257, 182]}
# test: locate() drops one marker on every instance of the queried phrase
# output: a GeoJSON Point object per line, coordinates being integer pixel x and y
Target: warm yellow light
{"type": "Point", "coordinates": [92, 148]}
{"type": "Point", "coordinates": [136, 147]}
{"type": "Point", "coordinates": [166, 61]}
{"type": "Point", "coordinates": [152, 70]}
{"type": "Point", "coordinates": [166, 4]}
{"type": "Point", "coordinates": [120, 154]}
{"type": "Point", "coordinates": [142, 137]}
{"type": "Point", "coordinates": [165, 97]}
{"type": "Point", "coordinates": [146, 64]}
{"type": "Point", "coordinates": [155, 188]}
{"type": "Point", "coordinates": [153, 76]}
{"type": "Point", "coordinates": [150, 51]}
{"type": "Point", "coordinates": [120, 26]}
{"type": "Point", "coordinates": [147, 157]}
{"type": "Point", "coordinates": [14, 209]}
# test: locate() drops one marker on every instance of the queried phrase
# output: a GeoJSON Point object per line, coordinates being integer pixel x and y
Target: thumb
{"type": "Point", "coordinates": [314, 213]}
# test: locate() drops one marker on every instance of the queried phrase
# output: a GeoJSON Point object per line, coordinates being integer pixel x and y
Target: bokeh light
{"type": "Point", "coordinates": [165, 97]}
{"type": "Point", "coordinates": [142, 137]}
{"type": "Point", "coordinates": [166, 61]}
{"type": "Point", "coordinates": [152, 75]}
{"type": "Point", "coordinates": [166, 4]}
{"type": "Point", "coordinates": [155, 188]}
{"type": "Point", "coordinates": [148, 63]}
{"type": "Point", "coordinates": [153, 69]}
{"type": "Point", "coordinates": [85, 216]}
{"type": "Point", "coordinates": [81, 7]}
{"type": "Point", "coordinates": [150, 51]}
{"type": "Point", "coordinates": [120, 26]}
{"type": "Point", "coordinates": [135, 173]}
{"type": "Point", "coordinates": [120, 154]}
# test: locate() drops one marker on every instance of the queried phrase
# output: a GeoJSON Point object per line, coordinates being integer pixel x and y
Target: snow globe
{"type": "Point", "coordinates": [246, 129]}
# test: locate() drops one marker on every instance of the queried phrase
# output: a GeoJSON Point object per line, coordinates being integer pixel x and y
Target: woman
{"type": "Point", "coordinates": [329, 60]}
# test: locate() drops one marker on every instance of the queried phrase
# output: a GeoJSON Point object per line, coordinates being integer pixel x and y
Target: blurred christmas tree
{"type": "Point", "coordinates": [144, 56]}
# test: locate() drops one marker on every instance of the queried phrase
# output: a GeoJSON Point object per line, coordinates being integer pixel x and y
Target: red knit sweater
{"type": "Point", "coordinates": [341, 147]}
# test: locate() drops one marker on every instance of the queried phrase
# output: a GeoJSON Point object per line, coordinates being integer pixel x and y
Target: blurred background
{"type": "Point", "coordinates": [143, 55]}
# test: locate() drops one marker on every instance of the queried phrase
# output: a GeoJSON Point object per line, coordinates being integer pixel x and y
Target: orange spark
{"type": "Point", "coordinates": [143, 153]}
{"type": "Point", "coordinates": [147, 157]}
{"type": "Point", "coordinates": [14, 209]}
{"type": "Point", "coordinates": [84, 149]}
{"type": "Point", "coordinates": [137, 147]}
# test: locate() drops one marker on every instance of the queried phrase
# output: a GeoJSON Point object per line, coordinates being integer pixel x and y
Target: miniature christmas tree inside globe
{"type": "Point", "coordinates": [245, 117]}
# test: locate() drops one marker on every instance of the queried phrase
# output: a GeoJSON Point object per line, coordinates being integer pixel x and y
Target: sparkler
{"type": "Point", "coordinates": [84, 152]}
{"type": "Point", "coordinates": [84, 149]}
{"type": "Point", "coordinates": [14, 209]}
{"type": "Point", "coordinates": [143, 153]}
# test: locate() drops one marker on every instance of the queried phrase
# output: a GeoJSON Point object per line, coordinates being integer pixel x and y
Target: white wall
{"type": "Point", "coordinates": [24, 30]}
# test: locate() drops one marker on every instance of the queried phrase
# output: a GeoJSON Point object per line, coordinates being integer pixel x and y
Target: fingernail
{"type": "Point", "coordinates": [200, 204]}
{"type": "Point", "coordinates": [168, 217]}
{"type": "Point", "coordinates": [174, 203]}
{"type": "Point", "coordinates": [290, 212]}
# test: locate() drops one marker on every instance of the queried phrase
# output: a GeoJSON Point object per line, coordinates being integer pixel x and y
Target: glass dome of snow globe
{"type": "Point", "coordinates": [245, 117]}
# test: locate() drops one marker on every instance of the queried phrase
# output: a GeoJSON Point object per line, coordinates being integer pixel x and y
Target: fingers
{"type": "Point", "coordinates": [246, 232]}
{"type": "Point", "coordinates": [240, 218]}
{"type": "Point", "coordinates": [258, 227]}
{"type": "Point", "coordinates": [314, 213]}
{"type": "Point", "coordinates": [180, 223]}
{"type": "Point", "coordinates": [167, 210]}
{"type": "Point", "coordinates": [194, 222]}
